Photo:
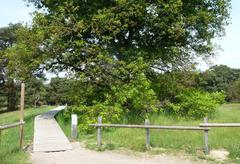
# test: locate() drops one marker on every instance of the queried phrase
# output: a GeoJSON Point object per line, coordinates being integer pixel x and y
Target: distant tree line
{"type": "Point", "coordinates": [221, 78]}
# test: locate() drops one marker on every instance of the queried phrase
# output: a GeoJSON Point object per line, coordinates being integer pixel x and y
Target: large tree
{"type": "Point", "coordinates": [110, 45]}
{"type": "Point", "coordinates": [35, 92]}
{"type": "Point", "coordinates": [8, 37]}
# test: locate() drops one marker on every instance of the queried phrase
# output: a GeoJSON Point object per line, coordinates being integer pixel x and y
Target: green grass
{"type": "Point", "coordinates": [9, 146]}
{"type": "Point", "coordinates": [190, 142]}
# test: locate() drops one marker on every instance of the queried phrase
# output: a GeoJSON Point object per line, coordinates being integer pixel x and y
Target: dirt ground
{"type": "Point", "coordinates": [79, 154]}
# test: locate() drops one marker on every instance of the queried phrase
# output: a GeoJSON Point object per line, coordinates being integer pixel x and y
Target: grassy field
{"type": "Point", "coordinates": [9, 146]}
{"type": "Point", "coordinates": [190, 142]}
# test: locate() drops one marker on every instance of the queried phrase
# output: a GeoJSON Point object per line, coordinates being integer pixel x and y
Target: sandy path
{"type": "Point", "coordinates": [80, 155]}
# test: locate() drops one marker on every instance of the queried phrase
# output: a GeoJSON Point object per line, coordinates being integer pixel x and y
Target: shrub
{"type": "Point", "coordinates": [195, 104]}
{"type": "Point", "coordinates": [88, 114]}
{"type": "Point", "coordinates": [114, 98]}
{"type": "Point", "coordinates": [136, 98]}
{"type": "Point", "coordinates": [219, 97]}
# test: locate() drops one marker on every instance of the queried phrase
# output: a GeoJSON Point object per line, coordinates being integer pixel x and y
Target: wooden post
{"type": "Point", "coordinates": [206, 148]}
{"type": "Point", "coordinates": [22, 114]}
{"type": "Point", "coordinates": [147, 135]}
{"type": "Point", "coordinates": [74, 126]}
{"type": "Point", "coordinates": [99, 133]}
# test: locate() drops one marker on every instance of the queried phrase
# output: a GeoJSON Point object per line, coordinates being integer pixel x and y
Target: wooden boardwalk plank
{"type": "Point", "coordinates": [48, 136]}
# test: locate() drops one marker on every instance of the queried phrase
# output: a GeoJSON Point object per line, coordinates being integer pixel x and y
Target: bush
{"type": "Point", "coordinates": [195, 104]}
{"type": "Point", "coordinates": [219, 97]}
{"type": "Point", "coordinates": [88, 114]}
{"type": "Point", "coordinates": [129, 95]}
{"type": "Point", "coordinates": [136, 98]}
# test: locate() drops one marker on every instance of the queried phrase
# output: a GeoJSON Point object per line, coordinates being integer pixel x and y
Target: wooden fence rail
{"type": "Point", "coordinates": [196, 128]}
{"type": "Point", "coordinates": [220, 125]}
{"type": "Point", "coordinates": [147, 126]}
{"type": "Point", "coordinates": [7, 126]}
{"type": "Point", "coordinates": [206, 124]}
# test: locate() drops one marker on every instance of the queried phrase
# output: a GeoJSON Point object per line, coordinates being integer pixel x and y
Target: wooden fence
{"type": "Point", "coordinates": [202, 127]}
{"type": "Point", "coordinates": [21, 122]}
{"type": "Point", "coordinates": [147, 127]}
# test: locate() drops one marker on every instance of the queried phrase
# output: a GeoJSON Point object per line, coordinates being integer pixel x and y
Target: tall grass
{"type": "Point", "coordinates": [9, 146]}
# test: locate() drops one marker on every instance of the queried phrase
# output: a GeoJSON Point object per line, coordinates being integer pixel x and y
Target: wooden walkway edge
{"type": "Point", "coordinates": [48, 136]}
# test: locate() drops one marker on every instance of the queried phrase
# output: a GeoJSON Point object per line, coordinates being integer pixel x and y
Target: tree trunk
{"type": "Point", "coordinates": [11, 95]}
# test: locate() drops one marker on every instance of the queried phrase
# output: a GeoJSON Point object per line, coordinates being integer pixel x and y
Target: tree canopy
{"type": "Point", "coordinates": [8, 92]}
{"type": "Point", "coordinates": [165, 34]}
{"type": "Point", "coordinates": [218, 78]}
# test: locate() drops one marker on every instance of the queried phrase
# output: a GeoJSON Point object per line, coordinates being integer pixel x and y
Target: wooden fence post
{"type": "Point", "coordinates": [22, 114]}
{"type": "Point", "coordinates": [206, 148]}
{"type": "Point", "coordinates": [147, 135]}
{"type": "Point", "coordinates": [99, 133]}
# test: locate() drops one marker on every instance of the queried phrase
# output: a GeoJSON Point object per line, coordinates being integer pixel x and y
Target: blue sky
{"type": "Point", "coordinates": [16, 11]}
{"type": "Point", "coordinates": [231, 42]}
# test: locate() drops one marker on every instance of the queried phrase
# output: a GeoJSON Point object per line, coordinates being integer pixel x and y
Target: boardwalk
{"type": "Point", "coordinates": [48, 136]}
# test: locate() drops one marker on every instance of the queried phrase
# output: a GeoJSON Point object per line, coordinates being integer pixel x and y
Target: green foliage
{"type": "Point", "coordinates": [169, 84]}
{"type": "Point", "coordinates": [233, 91]}
{"type": "Point", "coordinates": [89, 114]}
{"type": "Point", "coordinates": [58, 91]}
{"type": "Point", "coordinates": [128, 95]}
{"type": "Point", "coordinates": [217, 78]}
{"type": "Point", "coordinates": [219, 97]}
{"type": "Point", "coordinates": [8, 35]}
{"type": "Point", "coordinates": [35, 92]}
{"type": "Point", "coordinates": [25, 56]}
{"type": "Point", "coordinates": [135, 100]}
{"type": "Point", "coordinates": [163, 33]}
{"type": "Point", "coordinates": [195, 104]}
{"type": "Point", "coordinates": [8, 87]}
{"type": "Point", "coordinates": [109, 45]}
{"type": "Point", "coordinates": [135, 97]}
{"type": "Point", "coordinates": [18, 47]}
{"type": "Point", "coordinates": [220, 78]}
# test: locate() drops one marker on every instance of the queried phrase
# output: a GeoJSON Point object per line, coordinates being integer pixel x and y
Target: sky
{"type": "Point", "coordinates": [15, 11]}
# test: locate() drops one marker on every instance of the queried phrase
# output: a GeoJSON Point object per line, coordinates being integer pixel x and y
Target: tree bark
{"type": "Point", "coordinates": [11, 95]}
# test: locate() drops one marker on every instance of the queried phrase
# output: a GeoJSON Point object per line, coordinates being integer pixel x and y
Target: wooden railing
{"type": "Point", "coordinates": [202, 127]}
{"type": "Point", "coordinates": [13, 125]}
{"type": "Point", "coordinates": [147, 126]}
{"type": "Point", "coordinates": [206, 124]}
{"type": "Point", "coordinates": [8, 126]}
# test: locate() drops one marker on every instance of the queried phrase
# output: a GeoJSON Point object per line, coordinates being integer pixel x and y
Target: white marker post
{"type": "Point", "coordinates": [74, 126]}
